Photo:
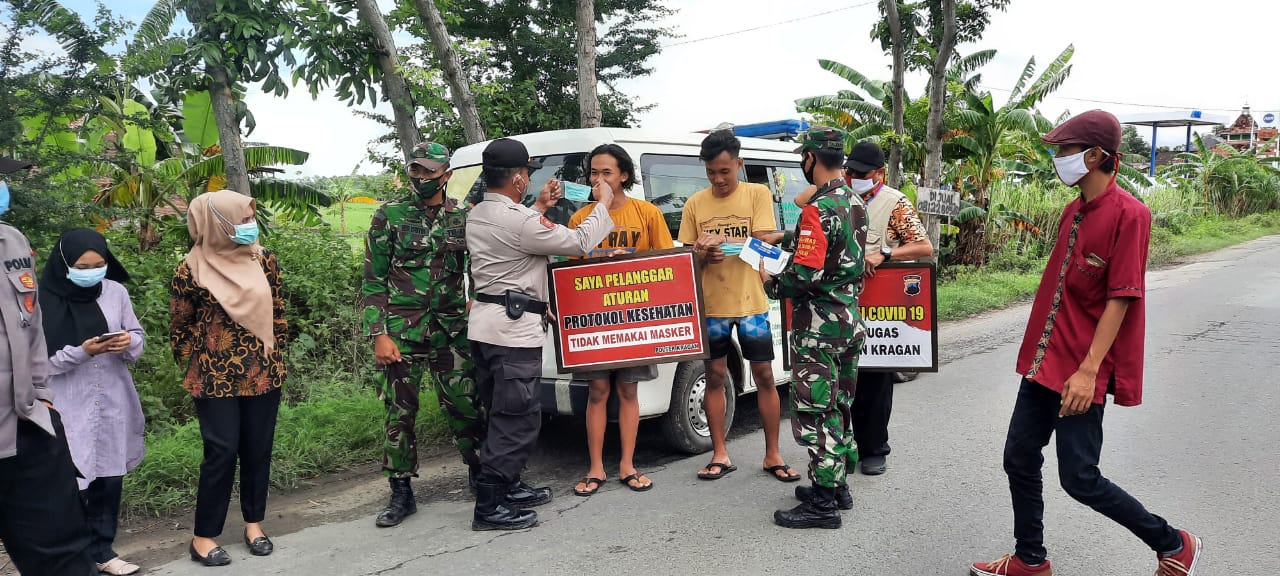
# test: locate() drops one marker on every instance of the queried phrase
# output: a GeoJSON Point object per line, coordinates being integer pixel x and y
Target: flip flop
{"type": "Point", "coordinates": [792, 477]}
{"type": "Point", "coordinates": [636, 478]}
{"type": "Point", "coordinates": [593, 486]}
{"type": "Point", "coordinates": [724, 470]}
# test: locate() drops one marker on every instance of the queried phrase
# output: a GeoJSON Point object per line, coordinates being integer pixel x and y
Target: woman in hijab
{"type": "Point", "coordinates": [226, 319]}
{"type": "Point", "coordinates": [93, 337]}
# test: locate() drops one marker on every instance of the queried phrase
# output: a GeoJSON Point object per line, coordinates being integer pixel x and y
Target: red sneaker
{"type": "Point", "coordinates": [1010, 565]}
{"type": "Point", "coordinates": [1184, 562]}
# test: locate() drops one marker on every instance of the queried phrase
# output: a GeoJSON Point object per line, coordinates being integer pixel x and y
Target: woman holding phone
{"type": "Point", "coordinates": [93, 337]}
{"type": "Point", "coordinates": [226, 324]}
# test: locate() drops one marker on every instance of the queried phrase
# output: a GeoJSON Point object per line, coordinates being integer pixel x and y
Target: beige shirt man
{"type": "Point", "coordinates": [510, 244]}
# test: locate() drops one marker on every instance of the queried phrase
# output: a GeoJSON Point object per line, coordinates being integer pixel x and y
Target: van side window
{"type": "Point", "coordinates": [787, 181]}
{"type": "Point", "coordinates": [669, 181]}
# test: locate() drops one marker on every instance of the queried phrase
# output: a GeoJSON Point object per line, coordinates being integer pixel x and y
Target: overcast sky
{"type": "Point", "coordinates": [1132, 56]}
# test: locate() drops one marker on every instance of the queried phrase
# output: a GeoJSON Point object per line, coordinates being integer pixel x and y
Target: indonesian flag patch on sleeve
{"type": "Point", "coordinates": [811, 244]}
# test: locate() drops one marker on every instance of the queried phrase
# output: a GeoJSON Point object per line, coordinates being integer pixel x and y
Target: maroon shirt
{"type": "Point", "coordinates": [1101, 253]}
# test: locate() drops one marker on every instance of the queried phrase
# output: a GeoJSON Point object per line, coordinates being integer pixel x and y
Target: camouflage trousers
{"type": "Point", "coordinates": [823, 381]}
{"type": "Point", "coordinates": [449, 366]}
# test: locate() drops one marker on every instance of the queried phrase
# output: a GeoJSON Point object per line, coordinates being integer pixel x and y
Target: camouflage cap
{"type": "Point", "coordinates": [821, 137]}
{"type": "Point", "coordinates": [430, 155]}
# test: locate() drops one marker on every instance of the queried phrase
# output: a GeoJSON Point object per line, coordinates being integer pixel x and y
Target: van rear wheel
{"type": "Point", "coordinates": [685, 423]}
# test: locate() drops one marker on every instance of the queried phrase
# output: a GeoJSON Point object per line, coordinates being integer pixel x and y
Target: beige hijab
{"type": "Point", "coordinates": [229, 271]}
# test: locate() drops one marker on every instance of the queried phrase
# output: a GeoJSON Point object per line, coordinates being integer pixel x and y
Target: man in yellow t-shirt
{"type": "Point", "coordinates": [637, 227]}
{"type": "Point", "coordinates": [730, 212]}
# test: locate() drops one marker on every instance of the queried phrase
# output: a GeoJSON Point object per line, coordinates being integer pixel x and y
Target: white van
{"type": "Point", "coordinates": [668, 166]}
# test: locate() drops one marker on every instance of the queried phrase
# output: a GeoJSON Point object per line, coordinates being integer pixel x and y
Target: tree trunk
{"type": "Point", "coordinates": [937, 105]}
{"type": "Point", "coordinates": [393, 84]}
{"type": "Point", "coordinates": [899, 107]}
{"type": "Point", "coordinates": [224, 114]}
{"type": "Point", "coordinates": [459, 86]}
{"type": "Point", "coordinates": [588, 101]}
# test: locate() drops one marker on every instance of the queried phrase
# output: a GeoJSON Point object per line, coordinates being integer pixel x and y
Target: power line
{"type": "Point", "coordinates": [1118, 103]}
{"type": "Point", "coordinates": [775, 24]}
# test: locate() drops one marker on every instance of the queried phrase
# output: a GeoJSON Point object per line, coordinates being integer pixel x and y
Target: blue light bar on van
{"type": "Point", "coordinates": [777, 129]}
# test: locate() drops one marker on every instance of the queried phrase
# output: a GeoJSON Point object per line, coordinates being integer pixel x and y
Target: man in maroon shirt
{"type": "Point", "coordinates": [1083, 341]}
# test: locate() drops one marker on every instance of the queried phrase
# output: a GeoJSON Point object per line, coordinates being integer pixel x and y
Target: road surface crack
{"type": "Point", "coordinates": [431, 555]}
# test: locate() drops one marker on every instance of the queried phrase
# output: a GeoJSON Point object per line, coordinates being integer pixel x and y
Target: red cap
{"type": "Point", "coordinates": [1092, 128]}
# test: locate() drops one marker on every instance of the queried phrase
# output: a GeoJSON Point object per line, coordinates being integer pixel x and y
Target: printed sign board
{"type": "Point", "coordinates": [938, 202]}
{"type": "Point", "coordinates": [622, 311]}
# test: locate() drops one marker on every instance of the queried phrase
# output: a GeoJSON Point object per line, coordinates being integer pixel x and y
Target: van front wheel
{"type": "Point", "coordinates": [685, 423]}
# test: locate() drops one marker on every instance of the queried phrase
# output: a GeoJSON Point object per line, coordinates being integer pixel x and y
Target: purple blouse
{"type": "Point", "coordinates": [96, 396]}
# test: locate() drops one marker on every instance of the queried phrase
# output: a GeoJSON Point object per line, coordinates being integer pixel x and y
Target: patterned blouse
{"type": "Point", "coordinates": [223, 359]}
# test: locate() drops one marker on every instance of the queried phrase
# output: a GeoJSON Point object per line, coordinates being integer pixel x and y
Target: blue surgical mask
{"type": "Point", "coordinates": [87, 278]}
{"type": "Point", "coordinates": [245, 233]}
{"type": "Point", "coordinates": [4, 197]}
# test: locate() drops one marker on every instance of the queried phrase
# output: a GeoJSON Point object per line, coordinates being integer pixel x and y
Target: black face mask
{"type": "Point", "coordinates": [426, 189]}
{"type": "Point", "coordinates": [808, 165]}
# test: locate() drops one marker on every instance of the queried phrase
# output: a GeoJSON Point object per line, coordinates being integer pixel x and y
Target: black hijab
{"type": "Point", "coordinates": [71, 313]}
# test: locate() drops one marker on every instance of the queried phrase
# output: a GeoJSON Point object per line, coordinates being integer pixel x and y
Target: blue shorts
{"type": "Point", "coordinates": [754, 337]}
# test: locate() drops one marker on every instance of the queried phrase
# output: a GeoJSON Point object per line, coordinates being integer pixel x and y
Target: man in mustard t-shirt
{"type": "Point", "coordinates": [729, 212]}
{"type": "Point", "coordinates": [637, 227]}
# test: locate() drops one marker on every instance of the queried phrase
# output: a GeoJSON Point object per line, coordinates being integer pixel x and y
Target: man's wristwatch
{"type": "Point", "coordinates": [887, 252]}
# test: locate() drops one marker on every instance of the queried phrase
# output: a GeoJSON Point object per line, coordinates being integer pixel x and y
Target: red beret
{"type": "Point", "coordinates": [1092, 128]}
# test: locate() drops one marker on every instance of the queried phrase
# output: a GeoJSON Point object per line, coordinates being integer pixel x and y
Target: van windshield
{"type": "Point", "coordinates": [467, 184]}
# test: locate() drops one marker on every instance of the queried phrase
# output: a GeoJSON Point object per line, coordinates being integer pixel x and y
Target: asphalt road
{"type": "Point", "coordinates": [1201, 451]}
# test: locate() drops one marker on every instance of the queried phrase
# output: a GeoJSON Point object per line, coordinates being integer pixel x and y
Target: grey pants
{"type": "Point", "coordinates": [507, 385]}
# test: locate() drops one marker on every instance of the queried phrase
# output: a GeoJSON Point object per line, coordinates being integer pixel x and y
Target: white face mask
{"type": "Point", "coordinates": [862, 186]}
{"type": "Point", "coordinates": [1071, 168]}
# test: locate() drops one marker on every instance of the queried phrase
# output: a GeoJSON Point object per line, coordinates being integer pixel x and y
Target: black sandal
{"type": "Point", "coordinates": [773, 471]}
{"type": "Point", "coordinates": [636, 478]}
{"type": "Point", "coordinates": [722, 471]}
{"type": "Point", "coordinates": [593, 486]}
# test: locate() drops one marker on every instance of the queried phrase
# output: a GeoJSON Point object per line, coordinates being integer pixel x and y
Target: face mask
{"type": "Point", "coordinates": [245, 233]}
{"type": "Point", "coordinates": [87, 278]}
{"type": "Point", "coordinates": [517, 182]}
{"type": "Point", "coordinates": [4, 197]}
{"type": "Point", "coordinates": [808, 165]}
{"type": "Point", "coordinates": [862, 186]}
{"type": "Point", "coordinates": [1071, 169]}
{"type": "Point", "coordinates": [426, 188]}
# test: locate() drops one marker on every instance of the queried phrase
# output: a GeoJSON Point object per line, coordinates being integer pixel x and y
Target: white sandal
{"type": "Point", "coordinates": [118, 567]}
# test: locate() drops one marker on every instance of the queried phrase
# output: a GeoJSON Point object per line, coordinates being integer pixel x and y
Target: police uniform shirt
{"type": "Point", "coordinates": [509, 245]}
{"type": "Point", "coordinates": [24, 364]}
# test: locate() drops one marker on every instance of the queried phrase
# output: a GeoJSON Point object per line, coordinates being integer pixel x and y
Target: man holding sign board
{"type": "Point", "coordinates": [715, 220]}
{"type": "Point", "coordinates": [637, 227]}
{"type": "Point", "coordinates": [822, 283]}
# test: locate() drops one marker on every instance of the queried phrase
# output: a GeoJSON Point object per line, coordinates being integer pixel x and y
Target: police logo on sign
{"type": "Point", "coordinates": [911, 284]}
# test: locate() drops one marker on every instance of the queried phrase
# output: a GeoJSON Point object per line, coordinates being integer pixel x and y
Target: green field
{"type": "Point", "coordinates": [357, 218]}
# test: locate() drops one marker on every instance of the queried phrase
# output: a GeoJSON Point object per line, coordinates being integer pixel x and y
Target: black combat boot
{"type": "Point", "coordinates": [844, 500]}
{"type": "Point", "coordinates": [491, 514]}
{"type": "Point", "coordinates": [520, 495]}
{"type": "Point", "coordinates": [401, 505]}
{"type": "Point", "coordinates": [819, 511]}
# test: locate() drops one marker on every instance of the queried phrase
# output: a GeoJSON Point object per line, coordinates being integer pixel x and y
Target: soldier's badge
{"type": "Point", "coordinates": [28, 281]}
{"type": "Point", "coordinates": [911, 284]}
{"type": "Point", "coordinates": [29, 303]}
{"type": "Point", "coordinates": [548, 223]}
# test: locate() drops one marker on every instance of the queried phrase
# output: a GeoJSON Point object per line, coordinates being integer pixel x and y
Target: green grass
{"type": "Point", "coordinates": [357, 216]}
{"type": "Point", "coordinates": [973, 292]}
{"type": "Point", "coordinates": [323, 435]}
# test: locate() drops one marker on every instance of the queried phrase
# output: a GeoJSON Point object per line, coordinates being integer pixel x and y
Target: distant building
{"type": "Point", "coordinates": [1246, 134]}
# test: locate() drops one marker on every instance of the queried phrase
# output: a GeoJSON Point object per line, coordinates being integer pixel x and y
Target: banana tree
{"type": "Point", "coordinates": [163, 190]}
{"type": "Point", "coordinates": [989, 134]}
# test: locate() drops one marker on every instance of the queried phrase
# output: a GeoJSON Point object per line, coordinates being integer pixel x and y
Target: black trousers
{"type": "Point", "coordinates": [872, 406]}
{"type": "Point", "coordinates": [245, 427]}
{"type": "Point", "coordinates": [41, 517]}
{"type": "Point", "coordinates": [1079, 443]}
{"type": "Point", "coordinates": [102, 511]}
{"type": "Point", "coordinates": [507, 384]}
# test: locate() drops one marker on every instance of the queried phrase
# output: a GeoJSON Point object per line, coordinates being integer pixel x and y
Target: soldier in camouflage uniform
{"type": "Point", "coordinates": [823, 280]}
{"type": "Point", "coordinates": [416, 311]}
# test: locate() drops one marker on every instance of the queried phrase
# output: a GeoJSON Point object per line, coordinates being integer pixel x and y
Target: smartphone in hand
{"type": "Point", "coordinates": [109, 336]}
